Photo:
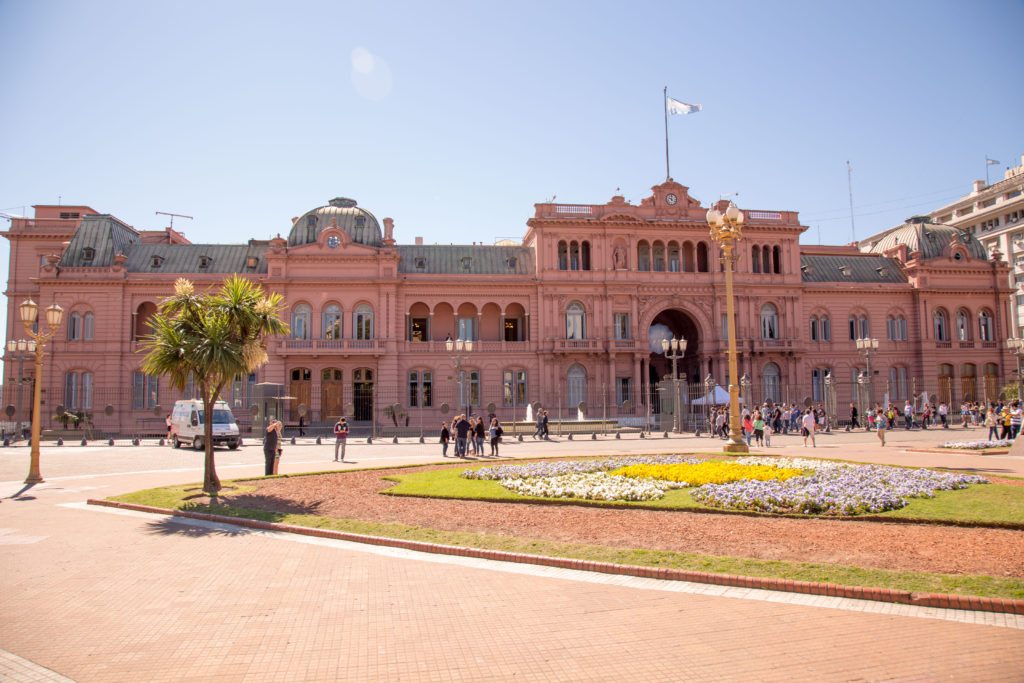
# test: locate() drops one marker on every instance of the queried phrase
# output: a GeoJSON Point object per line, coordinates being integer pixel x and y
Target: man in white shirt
{"type": "Point", "coordinates": [908, 414]}
{"type": "Point", "coordinates": [808, 424]}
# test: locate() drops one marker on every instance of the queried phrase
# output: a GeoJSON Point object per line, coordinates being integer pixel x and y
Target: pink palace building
{"type": "Point", "coordinates": [570, 318]}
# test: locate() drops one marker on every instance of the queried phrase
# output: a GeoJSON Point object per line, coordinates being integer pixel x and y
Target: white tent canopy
{"type": "Point", "coordinates": [720, 397]}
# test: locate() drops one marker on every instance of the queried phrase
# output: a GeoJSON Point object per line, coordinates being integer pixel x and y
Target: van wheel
{"type": "Point", "coordinates": [233, 445]}
{"type": "Point", "coordinates": [177, 444]}
{"type": "Point", "coordinates": [197, 443]}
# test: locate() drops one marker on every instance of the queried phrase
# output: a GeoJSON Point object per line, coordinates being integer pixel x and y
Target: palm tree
{"type": "Point", "coordinates": [211, 337]}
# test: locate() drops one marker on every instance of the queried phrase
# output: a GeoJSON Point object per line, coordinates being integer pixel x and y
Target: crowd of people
{"type": "Point", "coordinates": [469, 433]}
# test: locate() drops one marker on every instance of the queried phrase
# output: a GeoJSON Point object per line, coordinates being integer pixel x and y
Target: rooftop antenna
{"type": "Point", "coordinates": [173, 216]}
{"type": "Point", "coordinates": [849, 185]}
{"type": "Point", "coordinates": [552, 200]}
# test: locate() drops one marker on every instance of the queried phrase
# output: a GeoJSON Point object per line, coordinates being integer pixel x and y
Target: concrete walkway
{"type": "Point", "coordinates": [95, 595]}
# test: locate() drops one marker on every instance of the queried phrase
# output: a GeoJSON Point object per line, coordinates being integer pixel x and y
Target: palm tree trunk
{"type": "Point", "coordinates": [211, 482]}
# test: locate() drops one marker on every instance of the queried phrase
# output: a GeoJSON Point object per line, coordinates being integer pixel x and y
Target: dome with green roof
{"type": "Point", "coordinates": [360, 224]}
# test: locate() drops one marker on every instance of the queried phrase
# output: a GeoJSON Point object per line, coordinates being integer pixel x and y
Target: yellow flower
{"type": "Point", "coordinates": [710, 472]}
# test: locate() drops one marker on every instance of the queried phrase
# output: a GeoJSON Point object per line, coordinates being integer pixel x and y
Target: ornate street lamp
{"type": "Point", "coordinates": [458, 346]}
{"type": "Point", "coordinates": [709, 386]}
{"type": "Point", "coordinates": [867, 346]}
{"type": "Point", "coordinates": [29, 314]}
{"type": "Point", "coordinates": [20, 350]}
{"type": "Point", "coordinates": [726, 230]}
{"type": "Point", "coordinates": [830, 404]}
{"type": "Point", "coordinates": [745, 391]}
{"type": "Point", "coordinates": [674, 350]}
{"type": "Point", "coordinates": [1016, 347]}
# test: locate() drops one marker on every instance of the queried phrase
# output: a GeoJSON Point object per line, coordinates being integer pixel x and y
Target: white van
{"type": "Point", "coordinates": [187, 420]}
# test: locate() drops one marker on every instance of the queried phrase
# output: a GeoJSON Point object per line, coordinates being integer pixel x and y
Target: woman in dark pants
{"type": "Point", "coordinates": [271, 442]}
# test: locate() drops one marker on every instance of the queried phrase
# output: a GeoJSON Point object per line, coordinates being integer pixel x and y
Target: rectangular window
{"type": "Point", "coordinates": [853, 328]}
{"type": "Point", "coordinates": [474, 387]}
{"type": "Point", "coordinates": [622, 326]}
{"type": "Point", "coordinates": [513, 326]}
{"type": "Point", "coordinates": [725, 327]}
{"type": "Point", "coordinates": [814, 329]}
{"type": "Point", "coordinates": [623, 390]}
{"type": "Point", "coordinates": [419, 330]}
{"type": "Point", "coordinates": [145, 391]}
{"type": "Point", "coordinates": [466, 328]}
{"type": "Point", "coordinates": [514, 387]}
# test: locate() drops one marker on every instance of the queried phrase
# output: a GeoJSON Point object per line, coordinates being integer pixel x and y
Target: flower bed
{"type": "Point", "coordinates": [707, 472]}
{"type": "Point", "coordinates": [977, 445]}
{"type": "Point", "coordinates": [842, 490]}
{"type": "Point", "coordinates": [775, 485]}
{"type": "Point", "coordinates": [554, 468]}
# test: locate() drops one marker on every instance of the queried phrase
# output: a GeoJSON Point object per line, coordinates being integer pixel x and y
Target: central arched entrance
{"type": "Point", "coordinates": [666, 325]}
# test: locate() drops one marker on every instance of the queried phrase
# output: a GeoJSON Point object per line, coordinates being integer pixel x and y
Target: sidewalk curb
{"type": "Point", "coordinates": [940, 600]}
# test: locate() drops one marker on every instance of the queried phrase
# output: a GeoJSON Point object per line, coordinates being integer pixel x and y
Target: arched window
{"type": "Point", "coordinates": [643, 256]}
{"type": "Point", "coordinates": [144, 312]}
{"type": "Point", "coordinates": [673, 257]}
{"type": "Point", "coordinates": [766, 260]}
{"type": "Point", "coordinates": [302, 315]}
{"type": "Point", "coordinates": [688, 257]}
{"type": "Point", "coordinates": [702, 257]}
{"type": "Point", "coordinates": [901, 327]}
{"type": "Point", "coordinates": [772, 377]}
{"type": "Point", "coordinates": [659, 257]}
{"type": "Point", "coordinates": [815, 330]}
{"type": "Point", "coordinates": [574, 255]}
{"type": "Point", "coordinates": [826, 328]}
{"type": "Point", "coordinates": [945, 383]}
{"type": "Point", "coordinates": [74, 326]}
{"type": "Point", "coordinates": [890, 328]}
{"type": "Point", "coordinates": [969, 382]}
{"type": "Point", "coordinates": [769, 322]}
{"type": "Point", "coordinates": [963, 325]}
{"type": "Point", "coordinates": [332, 322]}
{"type": "Point", "coordinates": [985, 328]}
{"type": "Point", "coordinates": [362, 322]}
{"type": "Point", "coordinates": [940, 325]}
{"type": "Point", "coordinates": [575, 321]}
{"type": "Point", "coordinates": [585, 255]}
{"type": "Point", "coordinates": [576, 385]}
{"type": "Point", "coordinates": [563, 256]}
{"type": "Point", "coordinates": [777, 260]}
{"type": "Point", "coordinates": [865, 327]}
{"type": "Point", "coordinates": [88, 326]}
{"type": "Point", "coordinates": [755, 258]}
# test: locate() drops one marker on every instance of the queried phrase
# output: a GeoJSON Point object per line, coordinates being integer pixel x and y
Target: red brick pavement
{"type": "Point", "coordinates": [105, 597]}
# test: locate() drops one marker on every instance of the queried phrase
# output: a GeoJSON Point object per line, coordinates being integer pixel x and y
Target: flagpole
{"type": "Point", "coordinates": [665, 108]}
{"type": "Point", "coordinates": [849, 186]}
{"type": "Point", "coordinates": [987, 183]}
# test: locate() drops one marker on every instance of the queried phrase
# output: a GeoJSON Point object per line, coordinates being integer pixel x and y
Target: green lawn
{"type": "Point", "coordinates": [185, 497]}
{"type": "Point", "coordinates": [991, 504]}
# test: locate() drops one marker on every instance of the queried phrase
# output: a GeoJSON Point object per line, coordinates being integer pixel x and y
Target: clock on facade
{"type": "Point", "coordinates": [671, 199]}
{"type": "Point", "coordinates": [333, 241]}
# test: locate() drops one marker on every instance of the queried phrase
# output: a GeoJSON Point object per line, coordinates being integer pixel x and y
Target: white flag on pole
{"type": "Point", "coordinates": [991, 162]}
{"type": "Point", "coordinates": [677, 107]}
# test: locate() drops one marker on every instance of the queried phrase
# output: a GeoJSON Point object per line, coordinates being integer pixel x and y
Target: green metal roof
{"type": "Point", "coordinates": [924, 240]}
{"type": "Point", "coordinates": [463, 259]}
{"type": "Point", "coordinates": [188, 258]}
{"type": "Point", "coordinates": [867, 268]}
{"type": "Point", "coordinates": [105, 236]}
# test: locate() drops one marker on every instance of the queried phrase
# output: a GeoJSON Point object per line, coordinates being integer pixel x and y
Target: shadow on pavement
{"type": "Point", "coordinates": [184, 527]}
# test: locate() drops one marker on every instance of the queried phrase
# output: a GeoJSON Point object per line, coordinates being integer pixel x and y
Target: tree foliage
{"type": "Point", "coordinates": [211, 337]}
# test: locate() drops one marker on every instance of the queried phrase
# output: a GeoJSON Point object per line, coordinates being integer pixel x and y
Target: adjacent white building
{"type": "Point", "coordinates": [995, 215]}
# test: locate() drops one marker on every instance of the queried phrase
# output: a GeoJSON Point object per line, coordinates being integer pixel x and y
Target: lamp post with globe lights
{"type": "Point", "coordinates": [1016, 347]}
{"type": "Point", "coordinates": [20, 350]}
{"type": "Point", "coordinates": [458, 346]}
{"type": "Point", "coordinates": [726, 230]}
{"type": "Point", "coordinates": [674, 350]}
{"type": "Point", "coordinates": [28, 311]}
{"type": "Point", "coordinates": [867, 346]}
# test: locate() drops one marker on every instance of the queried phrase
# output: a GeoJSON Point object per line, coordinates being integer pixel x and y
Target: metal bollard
{"type": "Point", "coordinates": [84, 442]}
{"type": "Point", "coordinates": [318, 441]}
{"type": "Point", "coordinates": [293, 440]}
{"type": "Point", "coordinates": [110, 442]}
{"type": "Point", "coordinates": [394, 439]}
{"type": "Point", "coordinates": [60, 441]}
{"type": "Point", "coordinates": [593, 436]}
{"type": "Point", "coordinates": [618, 435]}
{"type": "Point", "coordinates": [570, 436]}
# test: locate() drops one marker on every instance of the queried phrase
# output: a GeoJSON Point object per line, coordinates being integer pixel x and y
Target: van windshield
{"type": "Point", "coordinates": [220, 417]}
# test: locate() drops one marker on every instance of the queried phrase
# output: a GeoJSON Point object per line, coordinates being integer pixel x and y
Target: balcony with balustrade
{"type": "Point", "coordinates": [333, 347]}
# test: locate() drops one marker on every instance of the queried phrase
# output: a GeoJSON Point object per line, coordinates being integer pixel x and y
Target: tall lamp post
{"type": "Point", "coordinates": [20, 349]}
{"type": "Point", "coordinates": [867, 346]}
{"type": "Point", "coordinates": [29, 313]}
{"type": "Point", "coordinates": [709, 385]}
{"type": "Point", "coordinates": [1016, 347]}
{"type": "Point", "coordinates": [458, 346]}
{"type": "Point", "coordinates": [726, 230]}
{"type": "Point", "coordinates": [674, 350]}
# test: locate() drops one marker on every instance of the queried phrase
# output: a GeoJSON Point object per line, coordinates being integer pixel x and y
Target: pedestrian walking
{"type": "Point", "coordinates": [881, 424]}
{"type": "Point", "coordinates": [462, 430]}
{"type": "Point", "coordinates": [990, 422]}
{"type": "Point", "coordinates": [908, 414]}
{"type": "Point", "coordinates": [480, 432]}
{"type": "Point", "coordinates": [854, 423]}
{"type": "Point", "coordinates": [495, 435]}
{"type": "Point", "coordinates": [546, 435]}
{"type": "Point", "coordinates": [446, 436]}
{"type": "Point", "coordinates": [340, 438]}
{"type": "Point", "coordinates": [539, 432]}
{"type": "Point", "coordinates": [809, 425]}
{"type": "Point", "coordinates": [272, 447]}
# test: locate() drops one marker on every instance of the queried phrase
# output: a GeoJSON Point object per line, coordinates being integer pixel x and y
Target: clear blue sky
{"type": "Point", "coordinates": [454, 118]}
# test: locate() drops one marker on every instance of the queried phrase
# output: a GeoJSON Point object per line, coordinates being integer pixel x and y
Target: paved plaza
{"type": "Point", "coordinates": [92, 594]}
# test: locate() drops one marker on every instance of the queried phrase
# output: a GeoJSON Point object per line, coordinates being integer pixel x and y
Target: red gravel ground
{"type": "Point", "coordinates": [927, 548]}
